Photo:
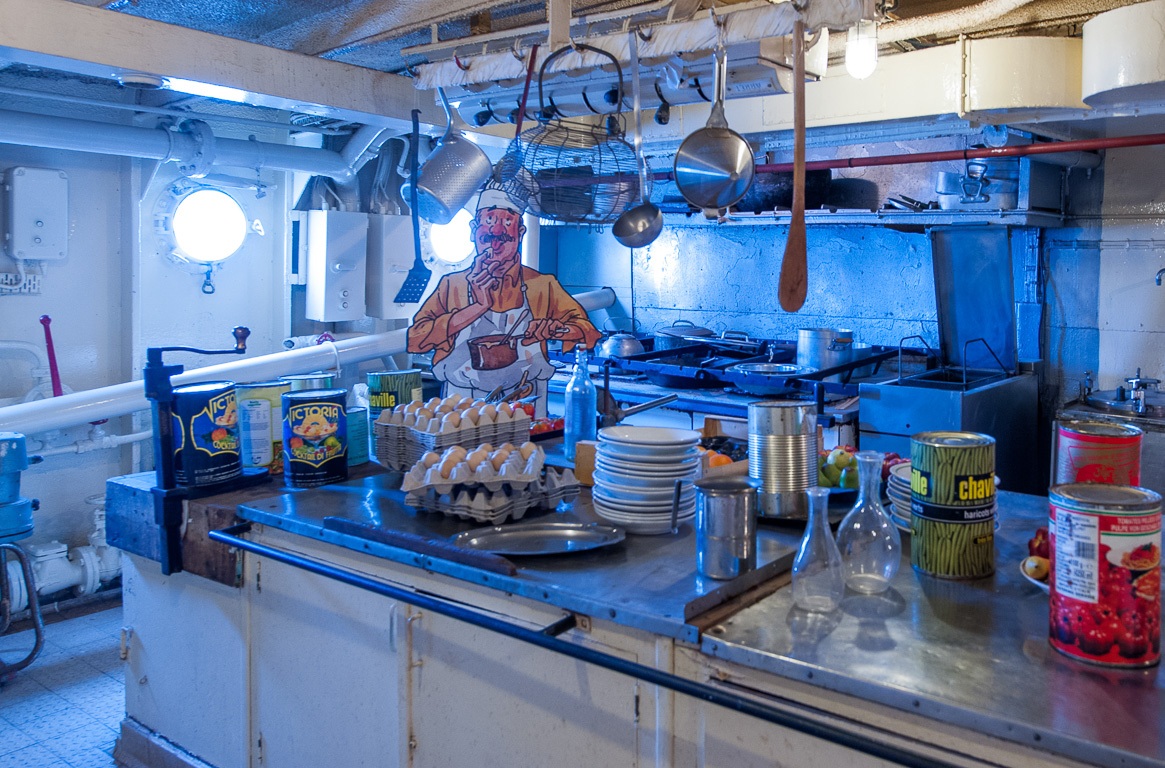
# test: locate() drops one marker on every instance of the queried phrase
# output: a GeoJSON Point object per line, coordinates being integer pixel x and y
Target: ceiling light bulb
{"type": "Point", "coordinates": [209, 90]}
{"type": "Point", "coordinates": [861, 49]}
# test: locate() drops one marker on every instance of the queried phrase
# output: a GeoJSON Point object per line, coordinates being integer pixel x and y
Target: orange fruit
{"type": "Point", "coordinates": [719, 460]}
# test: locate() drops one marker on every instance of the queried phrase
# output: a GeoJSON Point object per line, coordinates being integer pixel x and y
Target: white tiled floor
{"type": "Point", "coordinates": [64, 711]}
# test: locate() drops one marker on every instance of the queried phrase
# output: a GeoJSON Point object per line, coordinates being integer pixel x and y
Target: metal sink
{"type": "Point", "coordinates": [952, 379]}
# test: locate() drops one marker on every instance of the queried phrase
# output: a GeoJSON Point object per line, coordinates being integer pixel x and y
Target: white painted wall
{"type": "Point", "coordinates": [116, 294]}
{"type": "Point", "coordinates": [1132, 249]}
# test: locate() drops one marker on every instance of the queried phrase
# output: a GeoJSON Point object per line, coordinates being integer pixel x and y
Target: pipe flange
{"type": "Point", "coordinates": [90, 570]}
{"type": "Point", "coordinates": [200, 164]}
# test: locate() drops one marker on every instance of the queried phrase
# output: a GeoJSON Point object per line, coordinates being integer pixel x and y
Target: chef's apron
{"type": "Point", "coordinates": [460, 377]}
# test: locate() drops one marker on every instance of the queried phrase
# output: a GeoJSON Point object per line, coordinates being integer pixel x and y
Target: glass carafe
{"type": "Point", "coordinates": [818, 581]}
{"type": "Point", "coordinates": [871, 548]}
{"type": "Point", "coordinates": [581, 404]}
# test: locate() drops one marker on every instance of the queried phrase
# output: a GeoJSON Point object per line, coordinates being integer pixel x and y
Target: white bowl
{"type": "Point", "coordinates": [624, 504]}
{"type": "Point", "coordinates": [648, 436]}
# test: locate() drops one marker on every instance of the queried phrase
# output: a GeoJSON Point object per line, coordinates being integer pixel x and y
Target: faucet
{"type": "Point", "coordinates": [1159, 273]}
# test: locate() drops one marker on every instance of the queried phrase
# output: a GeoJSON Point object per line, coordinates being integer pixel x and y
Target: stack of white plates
{"type": "Point", "coordinates": [898, 489]}
{"type": "Point", "coordinates": [636, 469]}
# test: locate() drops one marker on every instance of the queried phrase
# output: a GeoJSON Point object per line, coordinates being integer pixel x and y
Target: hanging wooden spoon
{"type": "Point", "coordinates": [794, 283]}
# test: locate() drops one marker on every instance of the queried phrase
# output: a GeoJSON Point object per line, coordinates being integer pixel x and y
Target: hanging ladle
{"type": "Point", "coordinates": [638, 226]}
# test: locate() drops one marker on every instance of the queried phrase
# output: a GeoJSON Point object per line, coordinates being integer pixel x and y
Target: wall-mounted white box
{"type": "Point", "coordinates": [334, 245]}
{"type": "Point", "coordinates": [36, 213]}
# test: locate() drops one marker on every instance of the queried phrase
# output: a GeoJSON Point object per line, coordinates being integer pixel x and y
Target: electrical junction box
{"type": "Point", "coordinates": [390, 257]}
{"type": "Point", "coordinates": [36, 213]}
{"type": "Point", "coordinates": [334, 247]}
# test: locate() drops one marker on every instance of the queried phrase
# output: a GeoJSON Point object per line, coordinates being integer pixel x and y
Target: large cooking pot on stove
{"type": "Point", "coordinates": [620, 345]}
{"type": "Point", "coordinates": [675, 334]}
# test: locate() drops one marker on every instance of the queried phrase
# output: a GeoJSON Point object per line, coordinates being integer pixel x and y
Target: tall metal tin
{"type": "Point", "coordinates": [260, 423]}
{"type": "Point", "coordinates": [315, 437]}
{"type": "Point", "coordinates": [952, 504]}
{"type": "Point", "coordinates": [206, 429]}
{"type": "Point", "coordinates": [1105, 573]}
{"type": "Point", "coordinates": [388, 389]}
{"type": "Point", "coordinates": [782, 456]}
{"type": "Point", "coordinates": [1096, 452]}
{"type": "Point", "coordinates": [305, 381]}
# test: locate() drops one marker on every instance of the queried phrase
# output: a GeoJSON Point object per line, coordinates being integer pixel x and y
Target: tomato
{"type": "Point", "coordinates": [1132, 643]}
{"type": "Point", "coordinates": [1096, 640]}
{"type": "Point", "coordinates": [296, 442]}
{"type": "Point", "coordinates": [1039, 545]}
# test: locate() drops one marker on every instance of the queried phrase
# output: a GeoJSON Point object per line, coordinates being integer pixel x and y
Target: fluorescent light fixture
{"type": "Point", "coordinates": [210, 91]}
{"type": "Point", "coordinates": [208, 225]}
{"type": "Point", "coordinates": [861, 49]}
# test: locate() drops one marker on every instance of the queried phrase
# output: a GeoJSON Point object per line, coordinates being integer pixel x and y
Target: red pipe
{"type": "Point", "coordinates": [1021, 150]}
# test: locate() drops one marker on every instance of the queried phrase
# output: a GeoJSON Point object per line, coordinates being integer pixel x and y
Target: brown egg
{"type": "Point", "coordinates": [446, 467]}
{"type": "Point", "coordinates": [452, 421]}
{"type": "Point", "coordinates": [427, 413]}
{"type": "Point", "coordinates": [432, 403]}
{"type": "Point", "coordinates": [507, 447]}
{"type": "Point", "coordinates": [527, 450]}
{"type": "Point", "coordinates": [498, 459]}
{"type": "Point", "coordinates": [506, 410]}
{"type": "Point", "coordinates": [455, 452]}
{"type": "Point", "coordinates": [429, 459]}
{"type": "Point", "coordinates": [471, 415]}
{"type": "Point", "coordinates": [489, 413]}
{"type": "Point", "coordinates": [485, 447]}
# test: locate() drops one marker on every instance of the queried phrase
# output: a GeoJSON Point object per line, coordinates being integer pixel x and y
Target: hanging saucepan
{"type": "Point", "coordinates": [714, 166]}
{"type": "Point", "coordinates": [451, 174]}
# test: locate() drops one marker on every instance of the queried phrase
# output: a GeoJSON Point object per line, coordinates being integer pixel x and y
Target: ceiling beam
{"type": "Point", "coordinates": [66, 36]}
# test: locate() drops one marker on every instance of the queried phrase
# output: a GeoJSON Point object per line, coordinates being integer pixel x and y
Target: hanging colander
{"type": "Point", "coordinates": [583, 173]}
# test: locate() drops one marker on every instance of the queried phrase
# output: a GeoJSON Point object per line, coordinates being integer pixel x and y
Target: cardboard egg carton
{"type": "Point", "coordinates": [515, 472]}
{"type": "Point", "coordinates": [496, 507]}
{"type": "Point", "coordinates": [399, 445]}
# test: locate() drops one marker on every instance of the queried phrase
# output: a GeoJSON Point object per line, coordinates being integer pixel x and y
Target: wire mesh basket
{"type": "Point", "coordinates": [578, 172]}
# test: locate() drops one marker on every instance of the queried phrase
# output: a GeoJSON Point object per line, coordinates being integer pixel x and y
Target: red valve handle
{"type": "Point", "coordinates": [48, 342]}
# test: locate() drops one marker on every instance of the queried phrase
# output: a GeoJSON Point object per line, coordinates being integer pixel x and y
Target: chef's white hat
{"type": "Point", "coordinates": [495, 197]}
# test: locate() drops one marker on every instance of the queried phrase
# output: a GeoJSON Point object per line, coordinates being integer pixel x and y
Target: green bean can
{"type": "Point", "coordinates": [315, 437]}
{"type": "Point", "coordinates": [388, 389]}
{"type": "Point", "coordinates": [952, 504]}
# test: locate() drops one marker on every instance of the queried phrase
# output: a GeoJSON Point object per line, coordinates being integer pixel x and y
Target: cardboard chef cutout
{"type": "Point", "coordinates": [488, 325]}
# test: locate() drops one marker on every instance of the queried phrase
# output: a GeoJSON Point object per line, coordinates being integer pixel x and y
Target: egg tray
{"type": "Point", "coordinates": [516, 473]}
{"type": "Point", "coordinates": [494, 508]}
{"type": "Point", "coordinates": [399, 447]}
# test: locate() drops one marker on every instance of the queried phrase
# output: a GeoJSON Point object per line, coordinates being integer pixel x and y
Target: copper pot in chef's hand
{"type": "Point", "coordinates": [493, 352]}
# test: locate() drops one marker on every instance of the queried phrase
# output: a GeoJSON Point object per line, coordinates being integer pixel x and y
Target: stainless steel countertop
{"type": "Point", "coordinates": [970, 653]}
{"type": "Point", "coordinates": [646, 582]}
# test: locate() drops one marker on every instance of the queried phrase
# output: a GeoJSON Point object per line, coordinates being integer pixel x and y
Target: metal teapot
{"type": "Point", "coordinates": [620, 345]}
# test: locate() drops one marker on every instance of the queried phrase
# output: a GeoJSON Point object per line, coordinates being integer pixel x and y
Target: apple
{"type": "Point", "coordinates": [822, 480]}
{"type": "Point", "coordinates": [833, 474]}
{"type": "Point", "coordinates": [840, 458]}
{"type": "Point", "coordinates": [849, 478]}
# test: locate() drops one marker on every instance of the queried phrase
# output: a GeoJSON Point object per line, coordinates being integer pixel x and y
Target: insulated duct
{"type": "Point", "coordinates": [121, 399]}
{"type": "Point", "coordinates": [196, 149]}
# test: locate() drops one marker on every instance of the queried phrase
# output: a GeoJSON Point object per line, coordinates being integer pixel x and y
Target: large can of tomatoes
{"type": "Point", "coordinates": [1106, 573]}
{"type": "Point", "coordinates": [1096, 452]}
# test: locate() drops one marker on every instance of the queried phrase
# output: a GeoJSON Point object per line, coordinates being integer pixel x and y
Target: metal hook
{"type": "Point", "coordinates": [457, 61]}
{"type": "Point", "coordinates": [718, 20]}
{"type": "Point", "coordinates": [699, 90]}
{"type": "Point", "coordinates": [409, 71]}
{"type": "Point", "coordinates": [207, 284]}
{"type": "Point", "coordinates": [588, 102]}
{"type": "Point", "coordinates": [645, 37]}
{"type": "Point", "coordinates": [517, 51]}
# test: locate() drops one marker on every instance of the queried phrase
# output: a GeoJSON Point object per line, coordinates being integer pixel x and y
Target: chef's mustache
{"type": "Point", "coordinates": [500, 238]}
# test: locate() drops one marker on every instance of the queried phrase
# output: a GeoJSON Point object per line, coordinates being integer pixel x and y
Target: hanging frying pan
{"type": "Point", "coordinates": [714, 166]}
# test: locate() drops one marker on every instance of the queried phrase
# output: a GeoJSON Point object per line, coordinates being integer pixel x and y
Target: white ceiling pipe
{"type": "Point", "coordinates": [50, 132]}
{"type": "Point", "coordinates": [121, 399]}
{"type": "Point", "coordinates": [946, 24]}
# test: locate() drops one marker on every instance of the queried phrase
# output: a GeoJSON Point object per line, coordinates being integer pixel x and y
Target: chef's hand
{"type": "Point", "coordinates": [545, 330]}
{"type": "Point", "coordinates": [482, 287]}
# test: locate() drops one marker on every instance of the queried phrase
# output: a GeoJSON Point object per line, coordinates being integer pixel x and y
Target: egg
{"type": "Point", "coordinates": [426, 412]}
{"type": "Point", "coordinates": [485, 447]}
{"type": "Point", "coordinates": [429, 459]}
{"type": "Point", "coordinates": [410, 421]}
{"type": "Point", "coordinates": [451, 400]}
{"type": "Point", "coordinates": [507, 409]}
{"type": "Point", "coordinates": [432, 403]}
{"type": "Point", "coordinates": [421, 422]}
{"type": "Point", "coordinates": [471, 415]}
{"type": "Point", "coordinates": [445, 409]}
{"type": "Point", "coordinates": [498, 459]}
{"type": "Point", "coordinates": [455, 452]}
{"type": "Point", "coordinates": [507, 447]}
{"type": "Point", "coordinates": [451, 420]}
{"type": "Point", "coordinates": [411, 408]}
{"type": "Point", "coordinates": [477, 403]}
{"type": "Point", "coordinates": [527, 450]}
{"type": "Point", "coordinates": [489, 413]}
{"type": "Point", "coordinates": [446, 467]}
{"type": "Point", "coordinates": [475, 459]}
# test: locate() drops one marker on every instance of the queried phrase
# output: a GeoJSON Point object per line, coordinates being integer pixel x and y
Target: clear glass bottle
{"type": "Point", "coordinates": [871, 547]}
{"type": "Point", "coordinates": [818, 581]}
{"type": "Point", "coordinates": [581, 404]}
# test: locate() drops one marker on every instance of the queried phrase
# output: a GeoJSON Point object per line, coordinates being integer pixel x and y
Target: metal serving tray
{"type": "Point", "coordinates": [539, 538]}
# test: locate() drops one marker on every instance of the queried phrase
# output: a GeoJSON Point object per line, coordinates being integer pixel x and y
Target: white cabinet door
{"type": "Point", "coordinates": [481, 699]}
{"type": "Point", "coordinates": [323, 671]}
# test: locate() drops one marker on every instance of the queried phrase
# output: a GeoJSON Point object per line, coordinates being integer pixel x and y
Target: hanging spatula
{"type": "Point", "coordinates": [418, 277]}
{"type": "Point", "coordinates": [794, 281]}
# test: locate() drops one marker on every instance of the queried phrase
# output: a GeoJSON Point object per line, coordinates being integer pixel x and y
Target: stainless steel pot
{"type": "Point", "coordinates": [620, 345]}
{"type": "Point", "coordinates": [674, 335]}
{"type": "Point", "coordinates": [824, 348]}
{"type": "Point", "coordinates": [783, 370]}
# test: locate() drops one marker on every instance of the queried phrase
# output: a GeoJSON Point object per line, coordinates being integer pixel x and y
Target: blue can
{"type": "Point", "coordinates": [315, 437]}
{"type": "Point", "coordinates": [206, 434]}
